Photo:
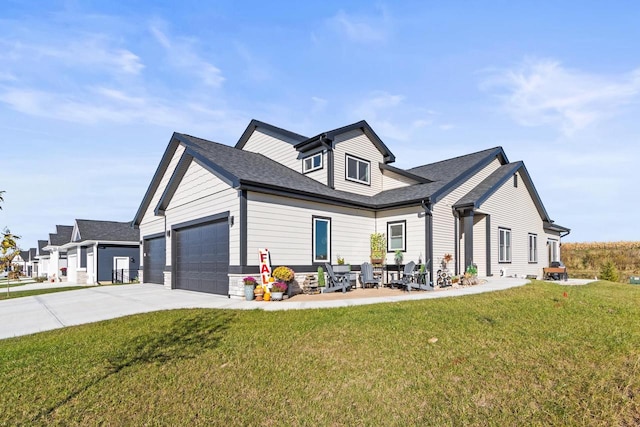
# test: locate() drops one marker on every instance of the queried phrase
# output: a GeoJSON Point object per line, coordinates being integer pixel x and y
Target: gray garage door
{"type": "Point", "coordinates": [155, 256]}
{"type": "Point", "coordinates": [202, 258]}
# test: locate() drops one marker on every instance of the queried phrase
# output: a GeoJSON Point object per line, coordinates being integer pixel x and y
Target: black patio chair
{"type": "Point", "coordinates": [336, 283]}
{"type": "Point", "coordinates": [366, 276]}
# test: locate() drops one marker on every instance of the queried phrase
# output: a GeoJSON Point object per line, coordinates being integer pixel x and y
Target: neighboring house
{"type": "Point", "coordinates": [100, 249]}
{"type": "Point", "coordinates": [211, 207]}
{"type": "Point", "coordinates": [42, 259]}
{"type": "Point", "coordinates": [58, 254]}
{"type": "Point", "coordinates": [19, 262]}
{"type": "Point", "coordinates": [26, 261]}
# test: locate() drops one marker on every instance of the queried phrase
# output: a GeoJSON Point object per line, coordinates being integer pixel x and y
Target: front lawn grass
{"type": "Point", "coordinates": [20, 294]}
{"type": "Point", "coordinates": [541, 354]}
{"type": "Point", "coordinates": [4, 284]}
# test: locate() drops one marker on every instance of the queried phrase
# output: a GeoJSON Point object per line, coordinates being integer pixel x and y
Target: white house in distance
{"type": "Point", "coordinates": [27, 262]}
{"type": "Point", "coordinates": [57, 259]}
{"type": "Point", "coordinates": [42, 258]}
{"type": "Point", "coordinates": [102, 251]}
{"type": "Point", "coordinates": [210, 207]}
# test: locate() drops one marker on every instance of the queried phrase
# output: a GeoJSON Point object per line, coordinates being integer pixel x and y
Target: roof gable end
{"type": "Point", "coordinates": [255, 124]}
{"type": "Point", "coordinates": [327, 138]}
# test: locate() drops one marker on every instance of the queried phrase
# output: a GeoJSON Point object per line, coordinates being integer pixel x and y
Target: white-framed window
{"type": "Point", "coordinates": [533, 248]}
{"type": "Point", "coordinates": [312, 163]}
{"type": "Point", "coordinates": [397, 236]}
{"type": "Point", "coordinates": [504, 245]}
{"type": "Point", "coordinates": [321, 239]}
{"type": "Point", "coordinates": [553, 250]}
{"type": "Point", "coordinates": [358, 170]}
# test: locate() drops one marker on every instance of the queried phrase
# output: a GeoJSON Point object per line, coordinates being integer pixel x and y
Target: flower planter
{"type": "Point", "coordinates": [277, 296]}
{"type": "Point", "coordinates": [248, 292]}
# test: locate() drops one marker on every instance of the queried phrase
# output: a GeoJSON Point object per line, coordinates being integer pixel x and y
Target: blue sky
{"type": "Point", "coordinates": [90, 93]}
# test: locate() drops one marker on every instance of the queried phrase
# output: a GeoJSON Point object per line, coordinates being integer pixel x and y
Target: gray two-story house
{"type": "Point", "coordinates": [210, 207]}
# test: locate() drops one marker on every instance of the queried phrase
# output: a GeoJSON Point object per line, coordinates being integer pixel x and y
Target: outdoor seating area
{"type": "Point", "coordinates": [406, 277]}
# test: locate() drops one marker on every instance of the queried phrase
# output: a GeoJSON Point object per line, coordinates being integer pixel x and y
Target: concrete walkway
{"type": "Point", "coordinates": [23, 316]}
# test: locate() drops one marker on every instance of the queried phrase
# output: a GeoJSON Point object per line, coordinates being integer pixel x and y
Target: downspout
{"type": "Point", "coordinates": [456, 240]}
{"type": "Point", "coordinates": [328, 143]}
{"type": "Point", "coordinates": [428, 233]}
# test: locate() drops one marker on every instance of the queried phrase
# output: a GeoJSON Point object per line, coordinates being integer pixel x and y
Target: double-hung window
{"type": "Point", "coordinates": [312, 163]}
{"type": "Point", "coordinates": [358, 170]}
{"type": "Point", "coordinates": [504, 244]}
{"type": "Point", "coordinates": [533, 248]}
{"type": "Point", "coordinates": [321, 239]}
{"type": "Point", "coordinates": [397, 236]}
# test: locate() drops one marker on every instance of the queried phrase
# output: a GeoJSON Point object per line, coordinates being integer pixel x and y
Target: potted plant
{"type": "Point", "coordinates": [277, 290]}
{"type": "Point", "coordinates": [283, 273]}
{"type": "Point", "coordinates": [378, 247]}
{"type": "Point", "coordinates": [398, 257]}
{"type": "Point", "coordinates": [249, 286]}
{"type": "Point", "coordinates": [341, 268]}
{"type": "Point", "coordinates": [470, 276]}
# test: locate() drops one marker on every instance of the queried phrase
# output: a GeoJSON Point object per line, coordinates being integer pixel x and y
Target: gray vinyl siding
{"type": "Point", "coordinates": [513, 208]}
{"type": "Point", "coordinates": [415, 231]}
{"type": "Point", "coordinates": [444, 220]}
{"type": "Point", "coordinates": [480, 244]}
{"type": "Point", "coordinates": [319, 175]}
{"type": "Point", "coordinates": [284, 226]}
{"type": "Point", "coordinates": [275, 147]}
{"type": "Point", "coordinates": [357, 144]}
{"type": "Point", "coordinates": [391, 180]}
{"type": "Point", "coordinates": [201, 194]}
{"type": "Point", "coordinates": [150, 223]}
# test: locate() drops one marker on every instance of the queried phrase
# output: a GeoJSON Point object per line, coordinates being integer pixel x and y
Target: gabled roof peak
{"type": "Point", "coordinates": [255, 124]}
{"type": "Point", "coordinates": [328, 136]}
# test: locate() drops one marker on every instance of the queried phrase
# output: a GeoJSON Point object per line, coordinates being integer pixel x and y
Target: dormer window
{"type": "Point", "coordinates": [312, 163]}
{"type": "Point", "coordinates": [358, 170]}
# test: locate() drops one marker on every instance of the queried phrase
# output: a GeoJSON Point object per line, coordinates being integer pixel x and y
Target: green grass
{"type": "Point", "coordinates": [525, 356]}
{"type": "Point", "coordinates": [12, 284]}
{"type": "Point", "coordinates": [20, 294]}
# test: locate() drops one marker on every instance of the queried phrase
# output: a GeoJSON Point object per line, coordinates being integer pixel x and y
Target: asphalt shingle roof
{"type": "Point", "coordinates": [246, 167]}
{"type": "Point", "coordinates": [62, 236]}
{"type": "Point", "coordinates": [447, 170]}
{"type": "Point", "coordinates": [107, 231]}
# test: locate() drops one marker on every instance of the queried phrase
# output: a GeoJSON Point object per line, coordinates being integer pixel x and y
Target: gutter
{"type": "Point", "coordinates": [428, 233]}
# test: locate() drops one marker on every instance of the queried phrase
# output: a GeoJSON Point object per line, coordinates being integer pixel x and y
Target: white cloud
{"type": "Point", "coordinates": [543, 92]}
{"type": "Point", "coordinates": [361, 29]}
{"type": "Point", "coordinates": [105, 105]}
{"type": "Point", "coordinates": [181, 53]}
{"type": "Point", "coordinates": [93, 50]}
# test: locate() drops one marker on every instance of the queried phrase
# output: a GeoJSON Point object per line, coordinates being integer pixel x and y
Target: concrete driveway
{"type": "Point", "coordinates": [22, 316]}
